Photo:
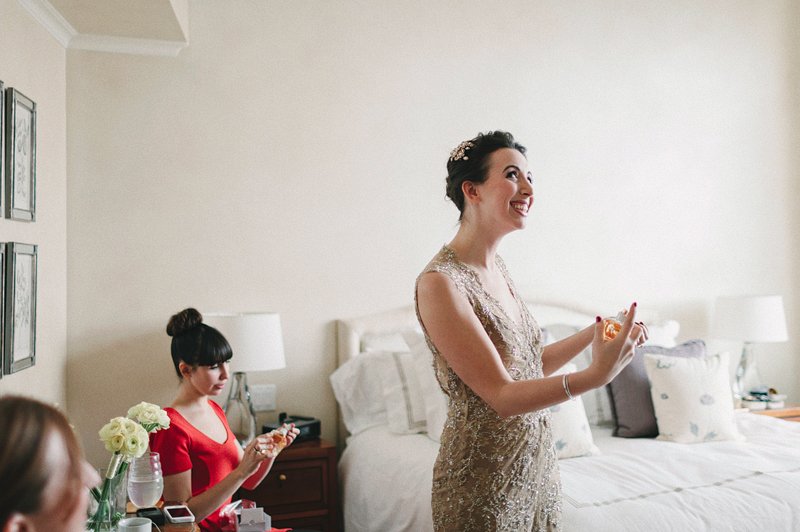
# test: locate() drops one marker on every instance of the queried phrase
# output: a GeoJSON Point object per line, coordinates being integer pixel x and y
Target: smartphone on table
{"type": "Point", "coordinates": [178, 513]}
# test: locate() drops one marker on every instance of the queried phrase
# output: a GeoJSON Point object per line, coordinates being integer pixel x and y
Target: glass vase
{"type": "Point", "coordinates": [109, 502]}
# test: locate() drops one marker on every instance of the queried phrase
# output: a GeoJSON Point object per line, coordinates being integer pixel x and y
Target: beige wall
{"type": "Point", "coordinates": [292, 159]}
{"type": "Point", "coordinates": [34, 63]}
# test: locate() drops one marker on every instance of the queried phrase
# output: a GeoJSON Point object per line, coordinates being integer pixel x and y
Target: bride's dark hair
{"type": "Point", "coordinates": [469, 161]}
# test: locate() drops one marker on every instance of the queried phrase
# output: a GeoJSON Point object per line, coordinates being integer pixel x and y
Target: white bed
{"type": "Point", "coordinates": [620, 484]}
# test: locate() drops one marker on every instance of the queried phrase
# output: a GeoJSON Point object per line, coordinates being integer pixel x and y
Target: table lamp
{"type": "Point", "coordinates": [257, 345]}
{"type": "Point", "coordinates": [749, 319]}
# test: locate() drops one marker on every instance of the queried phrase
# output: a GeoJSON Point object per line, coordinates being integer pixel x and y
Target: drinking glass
{"type": "Point", "coordinates": [145, 481]}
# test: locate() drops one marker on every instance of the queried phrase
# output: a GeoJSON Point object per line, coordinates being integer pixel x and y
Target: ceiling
{"type": "Point", "coordinates": [153, 27]}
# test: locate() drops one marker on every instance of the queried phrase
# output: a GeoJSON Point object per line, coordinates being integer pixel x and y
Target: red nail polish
{"type": "Point", "coordinates": [597, 319]}
{"type": "Point", "coordinates": [635, 303]}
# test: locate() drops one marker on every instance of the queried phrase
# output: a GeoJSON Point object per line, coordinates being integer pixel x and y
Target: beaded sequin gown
{"type": "Point", "coordinates": [493, 473]}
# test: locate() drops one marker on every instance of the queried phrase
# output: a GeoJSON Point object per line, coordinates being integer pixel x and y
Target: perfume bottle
{"type": "Point", "coordinates": [279, 439]}
{"type": "Point", "coordinates": [612, 326]}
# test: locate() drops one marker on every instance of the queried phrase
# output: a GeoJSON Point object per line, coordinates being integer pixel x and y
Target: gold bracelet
{"type": "Point", "coordinates": [565, 384]}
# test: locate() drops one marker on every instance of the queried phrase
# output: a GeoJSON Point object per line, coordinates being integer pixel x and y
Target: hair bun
{"type": "Point", "coordinates": [183, 321]}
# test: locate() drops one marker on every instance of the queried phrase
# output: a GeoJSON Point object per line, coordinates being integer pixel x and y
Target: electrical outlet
{"type": "Point", "coordinates": [263, 397]}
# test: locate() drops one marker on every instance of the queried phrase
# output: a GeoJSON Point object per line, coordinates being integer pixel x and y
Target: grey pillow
{"type": "Point", "coordinates": [629, 392]}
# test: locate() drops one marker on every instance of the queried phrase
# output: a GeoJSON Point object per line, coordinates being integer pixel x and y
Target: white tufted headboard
{"type": "Point", "coordinates": [559, 320]}
{"type": "Point", "coordinates": [350, 332]}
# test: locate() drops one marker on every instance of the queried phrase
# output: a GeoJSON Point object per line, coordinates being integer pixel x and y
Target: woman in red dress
{"type": "Point", "coordinates": [202, 462]}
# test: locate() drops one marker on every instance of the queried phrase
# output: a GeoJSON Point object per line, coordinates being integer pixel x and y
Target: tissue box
{"type": "Point", "coordinates": [254, 520]}
{"type": "Point", "coordinates": [244, 516]}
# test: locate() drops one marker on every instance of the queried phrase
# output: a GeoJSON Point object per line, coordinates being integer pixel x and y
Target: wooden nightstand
{"type": "Point", "coordinates": [302, 489]}
{"type": "Point", "coordinates": [789, 413]}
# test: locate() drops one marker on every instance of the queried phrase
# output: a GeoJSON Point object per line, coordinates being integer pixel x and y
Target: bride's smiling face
{"type": "Point", "coordinates": [505, 198]}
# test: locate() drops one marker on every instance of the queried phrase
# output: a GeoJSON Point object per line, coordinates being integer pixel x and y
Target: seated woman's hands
{"type": "Point", "coordinates": [609, 357]}
{"type": "Point", "coordinates": [259, 455]}
{"type": "Point", "coordinates": [278, 439]}
{"type": "Point", "coordinates": [254, 454]}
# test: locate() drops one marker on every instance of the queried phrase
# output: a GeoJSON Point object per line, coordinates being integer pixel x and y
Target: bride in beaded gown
{"type": "Point", "coordinates": [511, 460]}
{"type": "Point", "coordinates": [496, 469]}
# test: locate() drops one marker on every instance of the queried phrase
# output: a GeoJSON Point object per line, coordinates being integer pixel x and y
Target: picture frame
{"type": "Point", "coordinates": [2, 158]}
{"type": "Point", "coordinates": [19, 342]}
{"type": "Point", "coordinates": [2, 305]}
{"type": "Point", "coordinates": [20, 156]}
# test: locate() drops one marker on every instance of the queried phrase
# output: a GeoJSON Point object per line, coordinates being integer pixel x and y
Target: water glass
{"type": "Point", "coordinates": [145, 481]}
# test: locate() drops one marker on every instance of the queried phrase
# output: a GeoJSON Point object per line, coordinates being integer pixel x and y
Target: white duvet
{"type": "Point", "coordinates": [634, 485]}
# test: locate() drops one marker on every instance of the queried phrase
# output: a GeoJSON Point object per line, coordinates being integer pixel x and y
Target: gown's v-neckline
{"type": "Point", "coordinates": [515, 325]}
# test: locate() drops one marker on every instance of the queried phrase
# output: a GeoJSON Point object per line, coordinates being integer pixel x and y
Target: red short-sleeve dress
{"type": "Point", "coordinates": [182, 448]}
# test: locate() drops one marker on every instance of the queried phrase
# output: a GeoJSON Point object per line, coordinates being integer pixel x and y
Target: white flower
{"type": "Point", "coordinates": [150, 416]}
{"type": "Point", "coordinates": [124, 436]}
{"type": "Point", "coordinates": [111, 435]}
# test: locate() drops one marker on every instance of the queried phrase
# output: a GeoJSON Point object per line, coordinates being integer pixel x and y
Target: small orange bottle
{"type": "Point", "coordinates": [279, 440]}
{"type": "Point", "coordinates": [612, 326]}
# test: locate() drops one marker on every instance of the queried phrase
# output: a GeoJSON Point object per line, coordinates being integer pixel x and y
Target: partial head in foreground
{"type": "Point", "coordinates": [45, 477]}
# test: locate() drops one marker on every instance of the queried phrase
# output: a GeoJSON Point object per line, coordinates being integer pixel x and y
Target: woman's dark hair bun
{"type": "Point", "coordinates": [183, 321]}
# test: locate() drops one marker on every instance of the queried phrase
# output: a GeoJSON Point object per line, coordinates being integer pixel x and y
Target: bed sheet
{"type": "Point", "coordinates": [645, 484]}
{"type": "Point", "coordinates": [635, 484]}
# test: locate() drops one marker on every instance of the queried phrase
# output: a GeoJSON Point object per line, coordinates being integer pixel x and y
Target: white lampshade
{"type": "Point", "coordinates": [255, 338]}
{"type": "Point", "coordinates": [750, 319]}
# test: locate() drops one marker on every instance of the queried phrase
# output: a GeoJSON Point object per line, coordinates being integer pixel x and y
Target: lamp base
{"type": "Point", "coordinates": [747, 376]}
{"type": "Point", "coordinates": [239, 410]}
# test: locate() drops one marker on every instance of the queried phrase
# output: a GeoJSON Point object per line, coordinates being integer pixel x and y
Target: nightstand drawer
{"type": "Point", "coordinates": [290, 484]}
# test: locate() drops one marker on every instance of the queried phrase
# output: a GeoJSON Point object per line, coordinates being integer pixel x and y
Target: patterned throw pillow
{"type": "Point", "coordinates": [692, 398]}
{"type": "Point", "coordinates": [629, 392]}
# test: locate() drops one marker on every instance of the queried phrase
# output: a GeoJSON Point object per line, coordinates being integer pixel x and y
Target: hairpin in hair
{"type": "Point", "coordinates": [460, 151]}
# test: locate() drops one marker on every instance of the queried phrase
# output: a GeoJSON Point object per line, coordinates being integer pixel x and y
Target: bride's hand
{"type": "Point", "coordinates": [609, 357]}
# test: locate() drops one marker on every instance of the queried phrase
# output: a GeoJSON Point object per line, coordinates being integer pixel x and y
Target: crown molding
{"type": "Point", "coordinates": [126, 45]}
{"type": "Point", "coordinates": [49, 17]}
{"type": "Point", "coordinates": [68, 37]}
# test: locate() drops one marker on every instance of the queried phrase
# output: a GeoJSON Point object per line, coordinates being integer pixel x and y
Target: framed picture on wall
{"type": "Point", "coordinates": [20, 149]}
{"type": "Point", "coordinates": [2, 303]}
{"type": "Point", "coordinates": [19, 342]}
{"type": "Point", "coordinates": [2, 148]}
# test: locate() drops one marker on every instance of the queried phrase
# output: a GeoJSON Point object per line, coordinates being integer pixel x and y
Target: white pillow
{"type": "Point", "coordinates": [357, 387]}
{"type": "Point", "coordinates": [664, 333]}
{"type": "Point", "coordinates": [432, 395]}
{"type": "Point", "coordinates": [392, 342]}
{"type": "Point", "coordinates": [405, 407]}
{"type": "Point", "coordinates": [571, 433]}
{"type": "Point", "coordinates": [691, 398]}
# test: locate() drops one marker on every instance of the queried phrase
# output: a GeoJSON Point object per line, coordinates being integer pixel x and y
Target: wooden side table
{"type": "Point", "coordinates": [302, 489]}
{"type": "Point", "coordinates": [789, 413]}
